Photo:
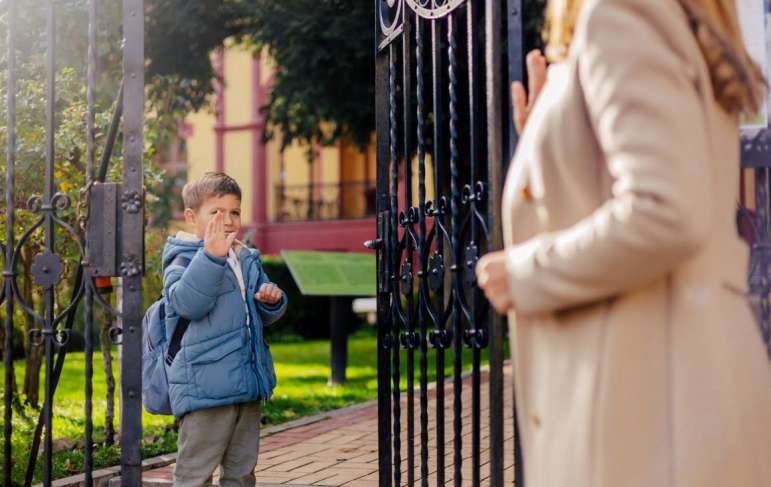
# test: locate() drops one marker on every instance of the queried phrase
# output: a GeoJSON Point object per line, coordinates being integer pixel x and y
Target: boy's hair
{"type": "Point", "coordinates": [212, 183]}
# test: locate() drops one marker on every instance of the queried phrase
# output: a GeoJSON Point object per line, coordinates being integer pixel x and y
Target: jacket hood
{"type": "Point", "coordinates": [181, 243]}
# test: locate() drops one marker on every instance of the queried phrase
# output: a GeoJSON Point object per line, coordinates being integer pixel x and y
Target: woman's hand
{"type": "Point", "coordinates": [523, 102]}
{"type": "Point", "coordinates": [493, 279]}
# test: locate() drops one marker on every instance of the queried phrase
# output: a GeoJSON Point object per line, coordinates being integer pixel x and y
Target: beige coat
{"type": "Point", "coordinates": [637, 361]}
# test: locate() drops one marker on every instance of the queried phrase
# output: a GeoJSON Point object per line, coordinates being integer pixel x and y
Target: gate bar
{"type": "Point", "coordinates": [8, 271]}
{"type": "Point", "coordinates": [383, 294]}
{"type": "Point", "coordinates": [132, 235]}
{"type": "Point", "coordinates": [48, 294]}
{"type": "Point", "coordinates": [88, 312]}
{"type": "Point", "coordinates": [424, 295]}
{"type": "Point", "coordinates": [495, 167]}
{"type": "Point", "coordinates": [393, 260]}
{"type": "Point", "coordinates": [456, 289]}
{"type": "Point", "coordinates": [474, 339]}
{"type": "Point", "coordinates": [409, 230]}
{"type": "Point", "coordinates": [439, 340]}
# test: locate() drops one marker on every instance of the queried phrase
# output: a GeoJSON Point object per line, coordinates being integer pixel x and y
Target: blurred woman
{"type": "Point", "coordinates": [637, 360]}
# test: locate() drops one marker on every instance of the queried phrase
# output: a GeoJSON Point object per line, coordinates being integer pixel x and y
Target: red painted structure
{"type": "Point", "coordinates": [272, 237]}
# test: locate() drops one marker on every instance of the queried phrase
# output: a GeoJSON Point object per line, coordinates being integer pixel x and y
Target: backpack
{"type": "Point", "coordinates": [158, 353]}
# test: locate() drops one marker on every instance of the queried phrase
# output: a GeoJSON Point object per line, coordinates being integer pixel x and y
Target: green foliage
{"type": "Point", "coordinates": [315, 43]}
{"type": "Point", "coordinates": [325, 85]}
{"type": "Point", "coordinates": [324, 50]}
{"type": "Point", "coordinates": [302, 369]}
{"type": "Point", "coordinates": [181, 35]}
{"type": "Point", "coordinates": [69, 424]}
{"type": "Point", "coordinates": [70, 129]}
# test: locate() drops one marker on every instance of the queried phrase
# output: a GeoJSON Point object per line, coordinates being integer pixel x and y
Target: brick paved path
{"type": "Point", "coordinates": [340, 449]}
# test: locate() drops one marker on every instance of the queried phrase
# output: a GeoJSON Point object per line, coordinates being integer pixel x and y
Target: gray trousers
{"type": "Point", "coordinates": [226, 436]}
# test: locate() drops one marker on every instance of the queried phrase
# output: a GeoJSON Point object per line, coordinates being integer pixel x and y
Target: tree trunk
{"type": "Point", "coordinates": [106, 346]}
{"type": "Point", "coordinates": [14, 389]}
{"type": "Point", "coordinates": [34, 354]}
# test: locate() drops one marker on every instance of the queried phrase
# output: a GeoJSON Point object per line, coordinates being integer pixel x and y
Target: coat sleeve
{"type": "Point", "coordinates": [270, 313]}
{"type": "Point", "coordinates": [192, 291]}
{"type": "Point", "coordinates": [650, 125]}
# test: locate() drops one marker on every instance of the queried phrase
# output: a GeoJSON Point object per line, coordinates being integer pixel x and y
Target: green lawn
{"type": "Point", "coordinates": [302, 369]}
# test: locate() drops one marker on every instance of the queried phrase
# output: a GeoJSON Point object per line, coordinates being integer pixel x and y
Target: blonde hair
{"type": "Point", "coordinates": [737, 82]}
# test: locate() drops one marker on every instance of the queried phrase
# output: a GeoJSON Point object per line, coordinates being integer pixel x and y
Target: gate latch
{"type": "Point", "coordinates": [376, 244]}
{"type": "Point", "coordinates": [103, 248]}
{"type": "Point", "coordinates": [380, 244]}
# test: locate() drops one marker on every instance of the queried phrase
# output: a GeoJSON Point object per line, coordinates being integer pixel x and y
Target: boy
{"type": "Point", "coordinates": [223, 368]}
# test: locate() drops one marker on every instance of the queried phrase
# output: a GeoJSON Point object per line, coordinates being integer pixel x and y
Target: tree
{"type": "Point", "coordinates": [315, 44]}
{"type": "Point", "coordinates": [69, 175]}
{"type": "Point", "coordinates": [324, 53]}
{"type": "Point", "coordinates": [70, 136]}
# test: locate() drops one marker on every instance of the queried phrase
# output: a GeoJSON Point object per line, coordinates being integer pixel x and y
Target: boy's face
{"type": "Point", "coordinates": [228, 204]}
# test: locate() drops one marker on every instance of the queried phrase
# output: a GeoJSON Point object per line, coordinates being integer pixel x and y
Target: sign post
{"type": "Point", "coordinates": [340, 276]}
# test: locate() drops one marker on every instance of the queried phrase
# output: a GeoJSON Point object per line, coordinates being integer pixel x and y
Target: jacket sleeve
{"type": "Point", "coordinates": [650, 125]}
{"type": "Point", "coordinates": [270, 313]}
{"type": "Point", "coordinates": [192, 291]}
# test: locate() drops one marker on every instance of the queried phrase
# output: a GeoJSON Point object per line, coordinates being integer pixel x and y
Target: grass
{"type": "Point", "coordinates": [302, 368]}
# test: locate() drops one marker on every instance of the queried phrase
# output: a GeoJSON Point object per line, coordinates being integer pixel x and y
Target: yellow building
{"type": "Point", "coordinates": [288, 202]}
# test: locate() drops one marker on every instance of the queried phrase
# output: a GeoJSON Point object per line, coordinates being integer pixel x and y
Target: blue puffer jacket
{"type": "Point", "coordinates": [221, 360]}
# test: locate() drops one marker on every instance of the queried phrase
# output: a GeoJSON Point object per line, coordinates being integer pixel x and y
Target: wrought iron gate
{"type": "Point", "coordinates": [754, 221]}
{"type": "Point", "coordinates": [443, 132]}
{"type": "Point", "coordinates": [109, 238]}
{"type": "Point", "coordinates": [441, 112]}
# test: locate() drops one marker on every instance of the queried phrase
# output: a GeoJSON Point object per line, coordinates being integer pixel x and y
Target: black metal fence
{"type": "Point", "coordinates": [442, 68]}
{"type": "Point", "coordinates": [109, 238]}
{"type": "Point", "coordinates": [754, 222]}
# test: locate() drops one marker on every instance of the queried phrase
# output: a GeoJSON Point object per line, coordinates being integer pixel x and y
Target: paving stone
{"type": "Point", "coordinates": [340, 448]}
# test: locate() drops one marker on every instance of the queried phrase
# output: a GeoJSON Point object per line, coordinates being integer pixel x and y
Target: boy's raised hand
{"type": "Point", "coordinates": [216, 241]}
{"type": "Point", "coordinates": [269, 293]}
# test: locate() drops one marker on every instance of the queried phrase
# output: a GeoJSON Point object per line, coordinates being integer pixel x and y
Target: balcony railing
{"type": "Point", "coordinates": [325, 201]}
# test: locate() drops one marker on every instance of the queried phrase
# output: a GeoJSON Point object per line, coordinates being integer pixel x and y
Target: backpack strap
{"type": "Point", "coordinates": [182, 323]}
{"type": "Point", "coordinates": [176, 339]}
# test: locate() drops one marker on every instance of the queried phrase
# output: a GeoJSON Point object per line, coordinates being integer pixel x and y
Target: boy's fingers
{"type": "Point", "coordinates": [209, 227]}
{"type": "Point", "coordinates": [212, 227]}
{"type": "Point", "coordinates": [220, 222]}
{"type": "Point", "coordinates": [215, 223]}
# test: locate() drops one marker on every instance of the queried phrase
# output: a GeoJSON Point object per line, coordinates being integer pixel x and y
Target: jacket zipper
{"type": "Point", "coordinates": [258, 371]}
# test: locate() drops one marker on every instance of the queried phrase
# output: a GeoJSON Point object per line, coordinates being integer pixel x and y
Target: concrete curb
{"type": "Point", "coordinates": [103, 477]}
